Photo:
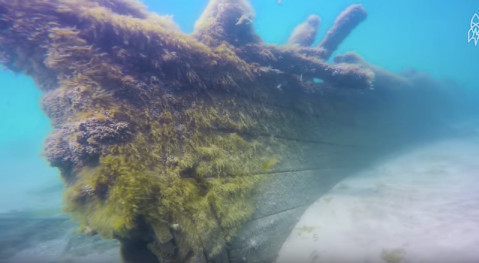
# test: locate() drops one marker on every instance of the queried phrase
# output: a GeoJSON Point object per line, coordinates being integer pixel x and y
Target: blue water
{"type": "Point", "coordinates": [429, 35]}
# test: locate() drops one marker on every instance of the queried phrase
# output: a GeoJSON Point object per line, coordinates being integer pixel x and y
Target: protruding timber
{"type": "Point", "coordinates": [348, 20]}
{"type": "Point", "coordinates": [164, 139]}
{"type": "Point", "coordinates": [228, 21]}
{"type": "Point", "coordinates": [305, 33]}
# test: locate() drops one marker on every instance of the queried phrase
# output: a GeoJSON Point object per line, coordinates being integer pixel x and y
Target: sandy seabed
{"type": "Point", "coordinates": [50, 252]}
{"type": "Point", "coordinates": [420, 206]}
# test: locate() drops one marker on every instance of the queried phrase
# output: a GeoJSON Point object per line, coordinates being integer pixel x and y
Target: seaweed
{"type": "Point", "coordinates": [305, 33]}
{"type": "Point", "coordinates": [161, 137]}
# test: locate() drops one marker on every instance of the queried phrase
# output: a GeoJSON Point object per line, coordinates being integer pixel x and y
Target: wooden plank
{"type": "Point", "coordinates": [286, 191]}
{"type": "Point", "coordinates": [260, 240]}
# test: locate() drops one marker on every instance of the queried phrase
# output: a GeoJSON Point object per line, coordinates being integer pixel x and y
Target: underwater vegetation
{"type": "Point", "coordinates": [162, 137]}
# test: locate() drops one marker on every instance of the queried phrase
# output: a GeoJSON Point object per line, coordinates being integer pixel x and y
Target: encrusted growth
{"type": "Point", "coordinates": [305, 33]}
{"type": "Point", "coordinates": [346, 22]}
{"type": "Point", "coordinates": [228, 21]}
{"type": "Point", "coordinates": [161, 137]}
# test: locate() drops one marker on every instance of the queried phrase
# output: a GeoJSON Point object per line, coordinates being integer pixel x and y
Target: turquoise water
{"type": "Point", "coordinates": [428, 35]}
{"type": "Point", "coordinates": [23, 173]}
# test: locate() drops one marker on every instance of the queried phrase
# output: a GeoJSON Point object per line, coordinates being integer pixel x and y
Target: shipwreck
{"type": "Point", "coordinates": [207, 147]}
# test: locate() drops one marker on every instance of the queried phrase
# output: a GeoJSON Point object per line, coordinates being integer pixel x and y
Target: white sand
{"type": "Point", "coordinates": [52, 252]}
{"type": "Point", "coordinates": [421, 206]}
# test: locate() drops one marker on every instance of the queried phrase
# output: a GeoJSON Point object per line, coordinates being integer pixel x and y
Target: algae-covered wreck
{"type": "Point", "coordinates": [204, 147]}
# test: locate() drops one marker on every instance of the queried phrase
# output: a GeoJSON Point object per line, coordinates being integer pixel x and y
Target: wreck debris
{"type": "Point", "coordinates": [161, 137]}
{"type": "Point", "coordinates": [290, 60]}
{"type": "Point", "coordinates": [227, 21]}
{"type": "Point", "coordinates": [137, 126]}
{"type": "Point", "coordinates": [305, 33]}
{"type": "Point", "coordinates": [382, 78]}
{"type": "Point", "coordinates": [125, 7]}
{"type": "Point", "coordinates": [343, 26]}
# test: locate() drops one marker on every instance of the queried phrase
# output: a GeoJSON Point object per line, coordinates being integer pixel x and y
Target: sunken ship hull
{"type": "Point", "coordinates": [206, 147]}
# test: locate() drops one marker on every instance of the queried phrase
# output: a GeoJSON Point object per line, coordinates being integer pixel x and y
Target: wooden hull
{"type": "Point", "coordinates": [203, 148]}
